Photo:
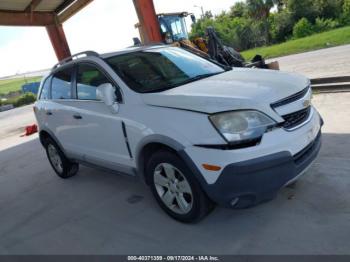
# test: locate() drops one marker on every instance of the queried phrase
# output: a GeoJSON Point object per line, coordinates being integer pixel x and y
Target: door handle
{"type": "Point", "coordinates": [49, 113]}
{"type": "Point", "coordinates": [77, 116]}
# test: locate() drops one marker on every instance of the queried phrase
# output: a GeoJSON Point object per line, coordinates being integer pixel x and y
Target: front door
{"type": "Point", "coordinates": [99, 136]}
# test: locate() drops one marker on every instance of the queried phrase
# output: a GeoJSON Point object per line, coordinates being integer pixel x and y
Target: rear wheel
{"type": "Point", "coordinates": [59, 162]}
{"type": "Point", "coordinates": [176, 189]}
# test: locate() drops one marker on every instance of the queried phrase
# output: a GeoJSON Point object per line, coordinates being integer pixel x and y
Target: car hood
{"type": "Point", "coordinates": [241, 88]}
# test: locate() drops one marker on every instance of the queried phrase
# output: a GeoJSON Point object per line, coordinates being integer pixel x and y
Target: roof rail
{"type": "Point", "coordinates": [75, 56]}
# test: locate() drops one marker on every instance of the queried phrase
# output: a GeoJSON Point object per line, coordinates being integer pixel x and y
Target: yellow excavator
{"type": "Point", "coordinates": [173, 30]}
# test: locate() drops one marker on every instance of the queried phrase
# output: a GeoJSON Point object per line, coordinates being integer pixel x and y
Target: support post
{"type": "Point", "coordinates": [58, 41]}
{"type": "Point", "coordinates": [148, 21]}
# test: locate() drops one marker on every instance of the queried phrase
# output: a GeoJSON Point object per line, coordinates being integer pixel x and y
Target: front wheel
{"type": "Point", "coordinates": [176, 189]}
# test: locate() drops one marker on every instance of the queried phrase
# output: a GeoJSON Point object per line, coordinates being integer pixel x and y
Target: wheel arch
{"type": "Point", "coordinates": [44, 134]}
{"type": "Point", "coordinates": [150, 145]}
{"type": "Point", "coordinates": [153, 143]}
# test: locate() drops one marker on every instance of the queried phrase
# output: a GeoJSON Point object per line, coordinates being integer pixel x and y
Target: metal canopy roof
{"type": "Point", "coordinates": [48, 13]}
{"type": "Point", "coordinates": [52, 13]}
{"type": "Point", "coordinates": [21, 5]}
{"type": "Point", "coordinates": [38, 12]}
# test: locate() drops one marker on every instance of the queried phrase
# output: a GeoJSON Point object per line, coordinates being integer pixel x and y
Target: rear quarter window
{"type": "Point", "coordinates": [45, 90]}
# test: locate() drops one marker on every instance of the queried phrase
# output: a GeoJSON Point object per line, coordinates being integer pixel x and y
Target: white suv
{"type": "Point", "coordinates": [197, 133]}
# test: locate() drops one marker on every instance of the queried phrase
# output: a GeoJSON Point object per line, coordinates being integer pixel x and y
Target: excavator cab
{"type": "Point", "coordinates": [173, 26]}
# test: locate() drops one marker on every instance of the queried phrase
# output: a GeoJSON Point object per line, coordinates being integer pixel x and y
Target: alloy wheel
{"type": "Point", "coordinates": [173, 188]}
{"type": "Point", "coordinates": [55, 158]}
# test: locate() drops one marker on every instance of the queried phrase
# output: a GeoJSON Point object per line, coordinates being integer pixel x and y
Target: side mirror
{"type": "Point", "coordinates": [106, 93]}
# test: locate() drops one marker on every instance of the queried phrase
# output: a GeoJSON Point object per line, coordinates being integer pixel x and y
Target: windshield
{"type": "Point", "coordinates": [160, 69]}
{"type": "Point", "coordinates": [175, 25]}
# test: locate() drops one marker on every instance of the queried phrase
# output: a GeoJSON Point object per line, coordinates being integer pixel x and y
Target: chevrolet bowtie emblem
{"type": "Point", "coordinates": [307, 103]}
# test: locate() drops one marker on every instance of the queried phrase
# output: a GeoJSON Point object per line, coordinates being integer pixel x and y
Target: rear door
{"type": "Point", "coordinates": [98, 132]}
{"type": "Point", "coordinates": [59, 110]}
{"type": "Point", "coordinates": [41, 106]}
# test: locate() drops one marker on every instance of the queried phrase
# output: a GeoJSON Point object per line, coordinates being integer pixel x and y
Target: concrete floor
{"type": "Point", "coordinates": [334, 61]}
{"type": "Point", "coordinates": [101, 213]}
{"type": "Point", "coordinates": [13, 123]}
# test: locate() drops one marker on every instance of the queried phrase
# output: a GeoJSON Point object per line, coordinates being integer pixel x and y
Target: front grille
{"type": "Point", "coordinates": [297, 118]}
{"type": "Point", "coordinates": [291, 98]}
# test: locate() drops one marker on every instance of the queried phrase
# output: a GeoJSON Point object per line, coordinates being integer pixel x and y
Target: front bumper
{"type": "Point", "coordinates": [251, 182]}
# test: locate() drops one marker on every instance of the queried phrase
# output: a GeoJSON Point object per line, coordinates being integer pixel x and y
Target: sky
{"type": "Point", "coordinates": [102, 26]}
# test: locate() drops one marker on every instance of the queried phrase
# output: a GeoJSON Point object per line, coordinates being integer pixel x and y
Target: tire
{"type": "Point", "coordinates": [59, 162]}
{"type": "Point", "coordinates": [177, 192]}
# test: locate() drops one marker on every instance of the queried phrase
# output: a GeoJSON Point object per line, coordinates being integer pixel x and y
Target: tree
{"type": "Point", "coordinates": [328, 8]}
{"type": "Point", "coordinates": [281, 25]}
{"type": "Point", "coordinates": [300, 9]}
{"type": "Point", "coordinates": [252, 23]}
{"type": "Point", "coordinates": [208, 15]}
{"type": "Point", "coordinates": [345, 17]}
{"type": "Point", "coordinates": [239, 9]}
{"type": "Point", "coordinates": [280, 5]}
{"type": "Point", "coordinates": [346, 8]}
{"type": "Point", "coordinates": [260, 9]}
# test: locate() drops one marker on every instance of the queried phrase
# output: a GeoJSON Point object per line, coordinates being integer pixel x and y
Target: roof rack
{"type": "Point", "coordinates": [75, 56]}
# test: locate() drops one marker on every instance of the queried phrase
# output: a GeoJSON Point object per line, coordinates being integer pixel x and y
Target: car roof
{"type": "Point", "coordinates": [77, 57]}
{"type": "Point", "coordinates": [132, 49]}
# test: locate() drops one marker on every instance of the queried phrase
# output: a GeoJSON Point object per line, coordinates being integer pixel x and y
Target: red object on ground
{"type": "Point", "coordinates": [31, 130]}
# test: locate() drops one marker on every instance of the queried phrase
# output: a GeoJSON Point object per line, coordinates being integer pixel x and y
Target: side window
{"type": "Point", "coordinates": [88, 79]}
{"type": "Point", "coordinates": [45, 91]}
{"type": "Point", "coordinates": [61, 84]}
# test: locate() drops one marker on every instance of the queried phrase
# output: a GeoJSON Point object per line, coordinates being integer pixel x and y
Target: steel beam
{"type": "Point", "coordinates": [72, 9]}
{"type": "Point", "coordinates": [32, 5]}
{"type": "Point", "coordinates": [148, 21]}
{"type": "Point", "coordinates": [64, 5]}
{"type": "Point", "coordinates": [58, 40]}
{"type": "Point", "coordinates": [12, 18]}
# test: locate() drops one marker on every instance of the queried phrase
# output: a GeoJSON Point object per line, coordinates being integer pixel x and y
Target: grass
{"type": "Point", "coordinates": [331, 38]}
{"type": "Point", "coordinates": [15, 84]}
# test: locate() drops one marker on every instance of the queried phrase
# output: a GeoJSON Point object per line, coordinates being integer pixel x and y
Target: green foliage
{"type": "Point", "coordinates": [239, 9]}
{"type": "Point", "coordinates": [345, 17]}
{"type": "Point", "coordinates": [253, 23]}
{"type": "Point", "coordinates": [281, 26]}
{"type": "Point", "coordinates": [302, 28]}
{"type": "Point", "coordinates": [302, 9]}
{"type": "Point", "coordinates": [259, 9]}
{"type": "Point", "coordinates": [26, 99]}
{"type": "Point", "coordinates": [328, 8]}
{"type": "Point", "coordinates": [198, 28]}
{"type": "Point", "coordinates": [322, 25]}
{"type": "Point", "coordinates": [346, 7]}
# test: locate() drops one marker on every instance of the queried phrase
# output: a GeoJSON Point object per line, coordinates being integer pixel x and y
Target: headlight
{"type": "Point", "coordinates": [241, 126]}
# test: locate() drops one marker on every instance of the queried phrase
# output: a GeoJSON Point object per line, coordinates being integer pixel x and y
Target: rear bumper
{"type": "Point", "coordinates": [251, 182]}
